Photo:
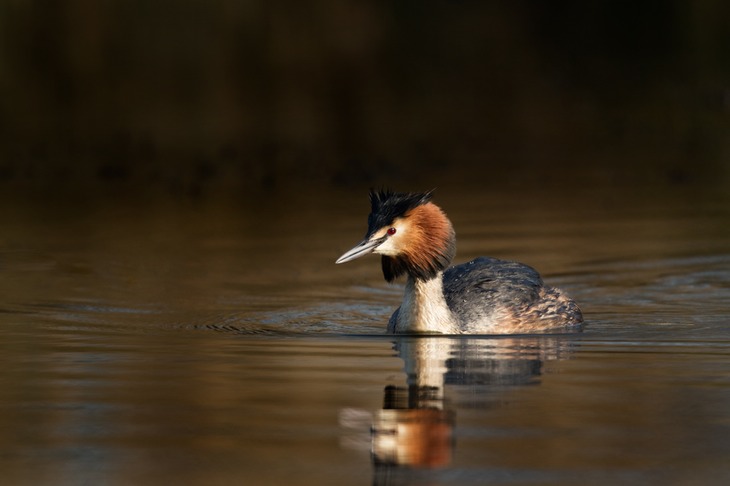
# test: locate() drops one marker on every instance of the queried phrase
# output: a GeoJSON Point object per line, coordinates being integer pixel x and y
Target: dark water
{"type": "Point", "coordinates": [215, 342]}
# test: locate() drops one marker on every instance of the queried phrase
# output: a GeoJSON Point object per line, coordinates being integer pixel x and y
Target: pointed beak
{"type": "Point", "coordinates": [362, 248]}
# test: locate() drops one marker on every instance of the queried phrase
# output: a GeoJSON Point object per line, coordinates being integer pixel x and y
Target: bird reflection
{"type": "Point", "coordinates": [415, 427]}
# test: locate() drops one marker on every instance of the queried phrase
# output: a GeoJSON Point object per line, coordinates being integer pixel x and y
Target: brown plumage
{"type": "Point", "coordinates": [431, 245]}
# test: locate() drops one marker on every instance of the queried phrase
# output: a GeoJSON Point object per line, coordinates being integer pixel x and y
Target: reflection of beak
{"type": "Point", "coordinates": [362, 248]}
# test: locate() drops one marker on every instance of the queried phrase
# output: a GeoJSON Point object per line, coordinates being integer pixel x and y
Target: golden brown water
{"type": "Point", "coordinates": [215, 342]}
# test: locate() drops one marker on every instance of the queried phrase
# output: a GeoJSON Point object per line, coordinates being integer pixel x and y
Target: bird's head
{"type": "Point", "coordinates": [412, 235]}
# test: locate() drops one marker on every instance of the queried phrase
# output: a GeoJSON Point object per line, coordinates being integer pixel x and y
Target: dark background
{"type": "Point", "coordinates": [201, 96]}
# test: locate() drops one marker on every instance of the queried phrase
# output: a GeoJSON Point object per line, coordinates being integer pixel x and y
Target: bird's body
{"type": "Point", "coordinates": [483, 296]}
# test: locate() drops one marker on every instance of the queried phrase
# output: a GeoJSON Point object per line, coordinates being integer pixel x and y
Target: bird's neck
{"type": "Point", "coordinates": [424, 308]}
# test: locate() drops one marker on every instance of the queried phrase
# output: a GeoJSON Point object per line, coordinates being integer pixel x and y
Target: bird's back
{"type": "Point", "coordinates": [488, 295]}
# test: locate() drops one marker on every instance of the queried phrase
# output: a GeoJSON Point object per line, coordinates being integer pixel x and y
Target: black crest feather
{"type": "Point", "coordinates": [386, 206]}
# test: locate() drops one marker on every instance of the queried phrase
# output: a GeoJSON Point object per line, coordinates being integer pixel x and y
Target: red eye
{"type": "Point", "coordinates": [391, 231]}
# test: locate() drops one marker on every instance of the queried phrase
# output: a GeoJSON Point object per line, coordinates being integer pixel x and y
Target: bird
{"type": "Point", "coordinates": [414, 237]}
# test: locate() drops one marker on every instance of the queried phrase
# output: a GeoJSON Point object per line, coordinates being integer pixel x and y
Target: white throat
{"type": "Point", "coordinates": [424, 308]}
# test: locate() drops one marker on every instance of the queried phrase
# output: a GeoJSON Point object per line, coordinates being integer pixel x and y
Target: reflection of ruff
{"type": "Point", "coordinates": [415, 437]}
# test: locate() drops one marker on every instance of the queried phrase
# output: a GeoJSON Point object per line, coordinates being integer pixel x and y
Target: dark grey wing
{"type": "Point", "coordinates": [492, 283]}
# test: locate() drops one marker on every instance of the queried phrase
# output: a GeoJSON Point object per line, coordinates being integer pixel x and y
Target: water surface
{"type": "Point", "coordinates": [215, 342]}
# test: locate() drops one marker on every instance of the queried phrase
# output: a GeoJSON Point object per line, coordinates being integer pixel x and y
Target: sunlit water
{"type": "Point", "coordinates": [206, 342]}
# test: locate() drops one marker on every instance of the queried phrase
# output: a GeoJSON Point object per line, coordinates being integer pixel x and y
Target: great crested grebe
{"type": "Point", "coordinates": [483, 296]}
